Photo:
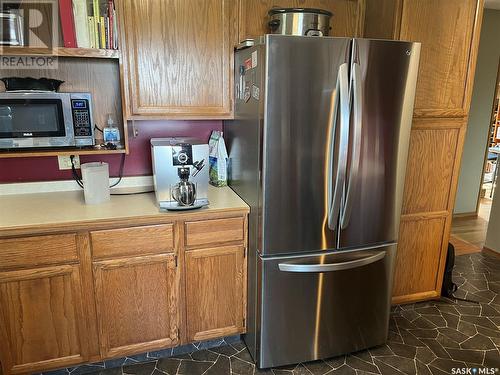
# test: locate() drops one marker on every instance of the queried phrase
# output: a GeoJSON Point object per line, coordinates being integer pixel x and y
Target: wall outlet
{"type": "Point", "coordinates": [65, 162]}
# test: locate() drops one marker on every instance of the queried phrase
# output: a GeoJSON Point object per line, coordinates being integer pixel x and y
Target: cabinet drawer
{"type": "Point", "coordinates": [38, 251]}
{"type": "Point", "coordinates": [209, 232]}
{"type": "Point", "coordinates": [154, 239]}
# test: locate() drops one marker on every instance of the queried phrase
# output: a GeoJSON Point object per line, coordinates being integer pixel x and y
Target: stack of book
{"type": "Point", "coordinates": [89, 23]}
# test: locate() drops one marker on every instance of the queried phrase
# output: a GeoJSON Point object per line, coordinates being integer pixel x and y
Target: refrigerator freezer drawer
{"type": "Point", "coordinates": [323, 306]}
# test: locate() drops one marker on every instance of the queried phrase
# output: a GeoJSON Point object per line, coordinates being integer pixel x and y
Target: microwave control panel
{"type": "Point", "coordinates": [82, 119]}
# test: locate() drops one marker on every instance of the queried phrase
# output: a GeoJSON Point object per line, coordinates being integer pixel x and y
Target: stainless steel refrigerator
{"type": "Point", "coordinates": [318, 150]}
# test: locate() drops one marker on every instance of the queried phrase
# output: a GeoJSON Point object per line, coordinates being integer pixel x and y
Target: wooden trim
{"type": "Point", "coordinates": [424, 216]}
{"type": "Point", "coordinates": [138, 348]}
{"type": "Point", "coordinates": [219, 332]}
{"type": "Point", "coordinates": [439, 113]}
{"type": "Point", "coordinates": [179, 246]}
{"type": "Point", "coordinates": [411, 298]}
{"type": "Point", "coordinates": [32, 154]}
{"type": "Point", "coordinates": [111, 264]}
{"type": "Point", "coordinates": [436, 123]}
{"type": "Point", "coordinates": [95, 53]}
{"type": "Point", "coordinates": [473, 54]}
{"type": "Point", "coordinates": [398, 15]}
{"type": "Point", "coordinates": [360, 19]}
{"type": "Point", "coordinates": [489, 251]}
{"type": "Point", "coordinates": [486, 151]}
{"type": "Point", "coordinates": [48, 364]}
{"type": "Point", "coordinates": [87, 286]}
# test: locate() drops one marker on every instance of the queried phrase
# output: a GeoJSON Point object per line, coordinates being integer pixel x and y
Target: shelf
{"type": "Point", "coordinates": [42, 153]}
{"type": "Point", "coordinates": [61, 52]}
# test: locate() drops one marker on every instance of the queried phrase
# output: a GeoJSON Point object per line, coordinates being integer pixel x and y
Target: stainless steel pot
{"type": "Point", "coordinates": [299, 21]}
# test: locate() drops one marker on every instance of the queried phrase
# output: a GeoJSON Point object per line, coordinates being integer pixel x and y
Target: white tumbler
{"type": "Point", "coordinates": [95, 178]}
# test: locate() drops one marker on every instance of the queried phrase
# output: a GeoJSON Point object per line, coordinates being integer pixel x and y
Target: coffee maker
{"type": "Point", "coordinates": [180, 172]}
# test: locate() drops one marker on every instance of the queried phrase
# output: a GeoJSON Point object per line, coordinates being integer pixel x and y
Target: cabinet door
{"type": "Point", "coordinates": [178, 57]}
{"type": "Point", "coordinates": [445, 55]}
{"type": "Point", "coordinates": [137, 304]}
{"type": "Point", "coordinates": [347, 17]}
{"type": "Point", "coordinates": [41, 321]}
{"type": "Point", "coordinates": [215, 292]}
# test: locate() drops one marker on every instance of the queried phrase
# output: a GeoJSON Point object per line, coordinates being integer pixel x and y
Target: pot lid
{"type": "Point", "coordinates": [299, 10]}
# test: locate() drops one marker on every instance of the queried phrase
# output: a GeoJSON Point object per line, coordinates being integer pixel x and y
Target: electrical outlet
{"type": "Point", "coordinates": [65, 162]}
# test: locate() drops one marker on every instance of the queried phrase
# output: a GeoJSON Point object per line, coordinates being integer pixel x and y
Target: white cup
{"type": "Point", "coordinates": [95, 178]}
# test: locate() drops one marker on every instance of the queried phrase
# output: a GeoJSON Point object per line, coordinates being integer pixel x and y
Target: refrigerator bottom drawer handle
{"type": "Point", "coordinates": [329, 267]}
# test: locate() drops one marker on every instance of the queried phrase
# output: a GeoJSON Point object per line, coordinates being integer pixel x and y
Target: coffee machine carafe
{"type": "Point", "coordinates": [180, 172]}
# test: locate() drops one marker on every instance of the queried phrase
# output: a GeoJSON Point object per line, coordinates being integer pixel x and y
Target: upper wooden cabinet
{"type": "Point", "coordinates": [446, 47]}
{"type": "Point", "coordinates": [446, 29]}
{"type": "Point", "coordinates": [178, 57]}
{"type": "Point", "coordinates": [347, 15]}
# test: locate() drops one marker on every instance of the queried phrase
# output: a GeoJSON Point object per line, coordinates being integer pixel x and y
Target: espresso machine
{"type": "Point", "coordinates": [180, 173]}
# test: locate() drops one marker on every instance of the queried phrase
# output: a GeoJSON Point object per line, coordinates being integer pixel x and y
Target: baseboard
{"type": "Point", "coordinates": [415, 297]}
{"type": "Point", "coordinates": [489, 251]}
{"type": "Point", "coordinates": [465, 215]}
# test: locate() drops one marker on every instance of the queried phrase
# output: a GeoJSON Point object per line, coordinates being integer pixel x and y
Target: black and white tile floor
{"type": "Point", "coordinates": [424, 338]}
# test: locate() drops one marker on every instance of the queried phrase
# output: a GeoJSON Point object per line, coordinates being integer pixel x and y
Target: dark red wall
{"type": "Point", "coordinates": [137, 163]}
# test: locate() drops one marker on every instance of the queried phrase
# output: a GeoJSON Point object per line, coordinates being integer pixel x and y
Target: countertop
{"type": "Point", "coordinates": [63, 209]}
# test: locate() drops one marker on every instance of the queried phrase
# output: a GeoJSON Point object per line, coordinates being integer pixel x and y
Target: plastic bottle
{"type": "Point", "coordinates": [111, 132]}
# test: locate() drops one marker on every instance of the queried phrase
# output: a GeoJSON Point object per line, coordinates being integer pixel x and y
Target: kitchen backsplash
{"type": "Point", "coordinates": [137, 163]}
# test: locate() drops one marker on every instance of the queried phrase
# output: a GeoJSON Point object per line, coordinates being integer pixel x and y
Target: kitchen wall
{"type": "Point", "coordinates": [137, 163]}
{"type": "Point", "coordinates": [479, 118]}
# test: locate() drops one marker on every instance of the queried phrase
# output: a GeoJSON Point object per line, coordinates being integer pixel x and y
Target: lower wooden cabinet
{"type": "Point", "coordinates": [119, 290]}
{"type": "Point", "coordinates": [215, 292]}
{"type": "Point", "coordinates": [41, 322]}
{"type": "Point", "coordinates": [137, 304]}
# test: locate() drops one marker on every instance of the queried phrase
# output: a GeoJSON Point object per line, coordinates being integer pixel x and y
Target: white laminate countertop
{"type": "Point", "coordinates": [63, 208]}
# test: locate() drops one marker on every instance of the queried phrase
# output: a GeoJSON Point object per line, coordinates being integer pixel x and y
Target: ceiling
{"type": "Point", "coordinates": [492, 4]}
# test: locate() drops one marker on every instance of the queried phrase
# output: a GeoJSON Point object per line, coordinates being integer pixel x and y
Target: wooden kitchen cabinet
{"type": "Point", "coordinates": [137, 304]}
{"type": "Point", "coordinates": [449, 33]}
{"type": "Point", "coordinates": [41, 323]}
{"type": "Point", "coordinates": [84, 291]}
{"type": "Point", "coordinates": [347, 20]}
{"type": "Point", "coordinates": [445, 54]}
{"type": "Point", "coordinates": [215, 292]}
{"type": "Point", "coordinates": [178, 58]}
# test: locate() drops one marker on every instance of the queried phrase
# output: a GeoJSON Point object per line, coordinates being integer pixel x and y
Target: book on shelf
{"type": "Point", "coordinates": [89, 23]}
{"type": "Point", "coordinates": [67, 23]}
{"type": "Point", "coordinates": [80, 15]}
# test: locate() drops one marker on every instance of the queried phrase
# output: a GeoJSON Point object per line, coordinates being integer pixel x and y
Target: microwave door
{"type": "Point", "coordinates": [34, 122]}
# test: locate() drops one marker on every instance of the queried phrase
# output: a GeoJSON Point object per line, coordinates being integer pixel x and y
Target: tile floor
{"type": "Point", "coordinates": [424, 338]}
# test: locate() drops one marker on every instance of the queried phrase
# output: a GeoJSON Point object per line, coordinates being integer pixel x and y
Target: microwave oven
{"type": "Point", "coordinates": [32, 119]}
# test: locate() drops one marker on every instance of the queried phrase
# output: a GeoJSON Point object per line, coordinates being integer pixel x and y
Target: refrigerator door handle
{"type": "Point", "coordinates": [330, 267]}
{"type": "Point", "coordinates": [335, 193]}
{"type": "Point", "coordinates": [352, 182]}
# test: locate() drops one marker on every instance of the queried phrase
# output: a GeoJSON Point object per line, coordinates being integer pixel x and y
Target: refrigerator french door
{"type": "Point", "coordinates": [318, 150]}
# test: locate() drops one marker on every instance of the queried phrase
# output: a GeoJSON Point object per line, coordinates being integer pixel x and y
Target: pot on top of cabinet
{"type": "Point", "coordinates": [300, 21]}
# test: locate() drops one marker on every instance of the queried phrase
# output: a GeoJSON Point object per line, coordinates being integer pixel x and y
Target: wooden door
{"type": "Point", "coordinates": [215, 292]}
{"type": "Point", "coordinates": [178, 57]}
{"type": "Point", "coordinates": [137, 304]}
{"type": "Point", "coordinates": [347, 15]}
{"type": "Point", "coordinates": [41, 319]}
